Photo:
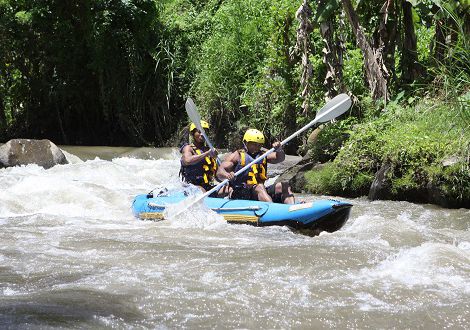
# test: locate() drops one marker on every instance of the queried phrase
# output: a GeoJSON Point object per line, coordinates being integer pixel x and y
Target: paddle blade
{"type": "Point", "coordinates": [192, 113]}
{"type": "Point", "coordinates": [195, 118]}
{"type": "Point", "coordinates": [334, 108]}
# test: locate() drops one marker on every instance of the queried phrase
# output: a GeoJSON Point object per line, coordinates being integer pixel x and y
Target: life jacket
{"type": "Point", "coordinates": [200, 173]}
{"type": "Point", "coordinates": [255, 175]}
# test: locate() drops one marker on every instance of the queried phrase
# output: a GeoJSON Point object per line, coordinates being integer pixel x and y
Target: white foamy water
{"type": "Point", "coordinates": [72, 255]}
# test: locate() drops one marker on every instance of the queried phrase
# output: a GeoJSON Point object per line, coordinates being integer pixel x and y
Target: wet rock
{"type": "Point", "coordinates": [295, 175]}
{"type": "Point", "coordinates": [24, 151]}
{"type": "Point", "coordinates": [380, 187]}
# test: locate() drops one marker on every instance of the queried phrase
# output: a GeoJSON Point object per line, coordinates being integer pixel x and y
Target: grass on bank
{"type": "Point", "coordinates": [425, 145]}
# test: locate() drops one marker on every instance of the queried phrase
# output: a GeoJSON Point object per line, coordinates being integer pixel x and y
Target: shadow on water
{"type": "Point", "coordinates": [68, 307]}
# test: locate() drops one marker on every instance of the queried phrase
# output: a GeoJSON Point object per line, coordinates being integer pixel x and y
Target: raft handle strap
{"type": "Point", "coordinates": [246, 208]}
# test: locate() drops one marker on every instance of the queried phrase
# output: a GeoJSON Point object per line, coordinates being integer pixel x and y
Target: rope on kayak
{"type": "Point", "coordinates": [156, 206]}
{"type": "Point", "coordinates": [245, 208]}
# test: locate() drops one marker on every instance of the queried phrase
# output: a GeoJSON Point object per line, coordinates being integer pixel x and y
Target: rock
{"type": "Point", "coordinates": [24, 151]}
{"type": "Point", "coordinates": [313, 137]}
{"type": "Point", "coordinates": [380, 187]}
{"type": "Point", "coordinates": [295, 175]}
{"type": "Point", "coordinates": [450, 161]}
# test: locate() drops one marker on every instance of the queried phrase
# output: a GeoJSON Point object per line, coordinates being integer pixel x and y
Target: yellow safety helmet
{"type": "Point", "coordinates": [204, 124]}
{"type": "Point", "coordinates": [253, 135]}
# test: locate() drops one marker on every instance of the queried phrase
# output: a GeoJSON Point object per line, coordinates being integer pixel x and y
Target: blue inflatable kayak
{"type": "Point", "coordinates": [321, 215]}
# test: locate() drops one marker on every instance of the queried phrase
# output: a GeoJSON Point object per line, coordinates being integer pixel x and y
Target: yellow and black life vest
{"type": "Point", "coordinates": [202, 172]}
{"type": "Point", "coordinates": [255, 175]}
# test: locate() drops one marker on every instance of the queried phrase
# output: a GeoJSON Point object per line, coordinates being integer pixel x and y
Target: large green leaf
{"type": "Point", "coordinates": [325, 10]}
{"type": "Point", "coordinates": [415, 3]}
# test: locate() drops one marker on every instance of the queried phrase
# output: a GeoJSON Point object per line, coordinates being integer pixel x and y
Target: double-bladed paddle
{"type": "Point", "coordinates": [334, 108]}
{"type": "Point", "coordinates": [196, 119]}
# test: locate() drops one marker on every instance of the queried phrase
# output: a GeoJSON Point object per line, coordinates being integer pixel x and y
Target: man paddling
{"type": "Point", "coordinates": [250, 184]}
{"type": "Point", "coordinates": [198, 162]}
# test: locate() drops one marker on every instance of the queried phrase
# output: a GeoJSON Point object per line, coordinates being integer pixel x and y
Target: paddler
{"type": "Point", "coordinates": [199, 162]}
{"type": "Point", "coordinates": [249, 185]}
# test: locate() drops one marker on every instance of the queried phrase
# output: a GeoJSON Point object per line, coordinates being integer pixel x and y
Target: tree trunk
{"type": "Point", "coordinates": [372, 58]}
{"type": "Point", "coordinates": [438, 44]}
{"type": "Point", "coordinates": [385, 38]}
{"type": "Point", "coordinates": [61, 126]}
{"type": "Point", "coordinates": [340, 50]}
{"type": "Point", "coordinates": [290, 118]}
{"type": "Point", "coordinates": [331, 58]}
{"type": "Point", "coordinates": [3, 119]}
{"type": "Point", "coordinates": [410, 67]}
{"type": "Point", "coordinates": [303, 14]}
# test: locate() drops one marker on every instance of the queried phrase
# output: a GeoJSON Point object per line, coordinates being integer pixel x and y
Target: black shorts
{"type": "Point", "coordinates": [242, 192]}
{"type": "Point", "coordinates": [248, 193]}
{"type": "Point", "coordinates": [277, 198]}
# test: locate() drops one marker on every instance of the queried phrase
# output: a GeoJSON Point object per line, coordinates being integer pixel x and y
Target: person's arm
{"type": "Point", "coordinates": [189, 157]}
{"type": "Point", "coordinates": [225, 170]}
{"type": "Point", "coordinates": [278, 155]}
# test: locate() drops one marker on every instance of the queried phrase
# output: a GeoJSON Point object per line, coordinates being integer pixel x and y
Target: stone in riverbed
{"type": "Point", "coordinates": [25, 151]}
{"type": "Point", "coordinates": [380, 187]}
{"type": "Point", "coordinates": [295, 174]}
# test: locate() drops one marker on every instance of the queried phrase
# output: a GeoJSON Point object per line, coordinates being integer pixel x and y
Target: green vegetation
{"type": "Point", "coordinates": [424, 144]}
{"type": "Point", "coordinates": [87, 72]}
{"type": "Point", "coordinates": [100, 72]}
{"type": "Point", "coordinates": [421, 139]}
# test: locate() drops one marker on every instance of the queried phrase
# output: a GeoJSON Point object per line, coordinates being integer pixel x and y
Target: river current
{"type": "Point", "coordinates": [73, 256]}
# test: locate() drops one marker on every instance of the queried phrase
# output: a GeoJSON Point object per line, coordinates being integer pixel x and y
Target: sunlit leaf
{"type": "Point", "coordinates": [23, 17]}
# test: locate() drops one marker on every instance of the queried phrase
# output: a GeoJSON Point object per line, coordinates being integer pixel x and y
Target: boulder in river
{"type": "Point", "coordinates": [295, 174]}
{"type": "Point", "coordinates": [380, 188]}
{"type": "Point", "coordinates": [25, 151]}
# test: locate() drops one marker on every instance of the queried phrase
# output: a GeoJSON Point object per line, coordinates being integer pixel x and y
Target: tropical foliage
{"type": "Point", "coordinates": [87, 72]}
{"type": "Point", "coordinates": [118, 73]}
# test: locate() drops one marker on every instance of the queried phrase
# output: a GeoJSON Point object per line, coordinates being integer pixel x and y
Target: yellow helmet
{"type": "Point", "coordinates": [253, 135]}
{"type": "Point", "coordinates": [204, 124]}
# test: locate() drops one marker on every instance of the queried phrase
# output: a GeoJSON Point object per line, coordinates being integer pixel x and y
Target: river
{"type": "Point", "coordinates": [73, 256]}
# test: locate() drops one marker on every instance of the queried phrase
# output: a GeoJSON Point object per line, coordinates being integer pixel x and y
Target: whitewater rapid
{"type": "Point", "coordinates": [72, 255]}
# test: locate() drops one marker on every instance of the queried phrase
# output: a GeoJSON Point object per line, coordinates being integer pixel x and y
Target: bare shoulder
{"type": "Point", "coordinates": [232, 157]}
{"type": "Point", "coordinates": [187, 149]}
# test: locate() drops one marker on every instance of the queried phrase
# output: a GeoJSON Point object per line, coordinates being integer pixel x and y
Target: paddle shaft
{"type": "Point", "coordinates": [327, 113]}
{"type": "Point", "coordinates": [283, 142]}
{"type": "Point", "coordinates": [210, 145]}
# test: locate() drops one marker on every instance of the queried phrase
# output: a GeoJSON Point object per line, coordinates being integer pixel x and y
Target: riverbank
{"type": "Point", "coordinates": [418, 153]}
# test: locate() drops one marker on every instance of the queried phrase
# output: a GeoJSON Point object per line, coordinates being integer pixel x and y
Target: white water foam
{"type": "Point", "coordinates": [195, 216]}
{"type": "Point", "coordinates": [431, 265]}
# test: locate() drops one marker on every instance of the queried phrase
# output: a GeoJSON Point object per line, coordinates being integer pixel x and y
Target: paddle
{"type": "Point", "coordinates": [196, 119]}
{"type": "Point", "coordinates": [335, 107]}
